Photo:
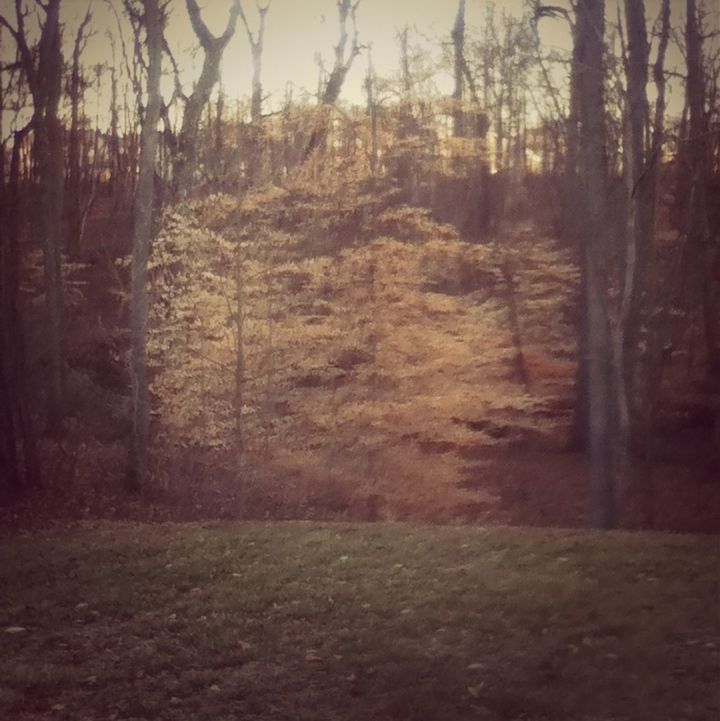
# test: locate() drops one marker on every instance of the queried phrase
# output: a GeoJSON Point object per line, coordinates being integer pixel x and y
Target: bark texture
{"type": "Point", "coordinates": [592, 157]}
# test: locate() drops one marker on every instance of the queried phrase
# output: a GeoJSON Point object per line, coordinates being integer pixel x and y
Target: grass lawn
{"type": "Point", "coordinates": [303, 621]}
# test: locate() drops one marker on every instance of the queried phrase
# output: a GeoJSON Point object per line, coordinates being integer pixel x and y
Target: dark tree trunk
{"type": "Point", "coordinates": [572, 230]}
{"type": "Point", "coordinates": [74, 176]}
{"type": "Point", "coordinates": [49, 163]}
{"type": "Point", "coordinates": [114, 139]}
{"type": "Point", "coordinates": [19, 466]}
{"type": "Point", "coordinates": [592, 156]}
{"type": "Point", "coordinates": [701, 245]}
{"type": "Point", "coordinates": [458, 39]}
{"type": "Point", "coordinates": [658, 307]}
{"type": "Point", "coordinates": [43, 68]}
{"type": "Point", "coordinates": [331, 92]}
{"type": "Point", "coordinates": [213, 48]}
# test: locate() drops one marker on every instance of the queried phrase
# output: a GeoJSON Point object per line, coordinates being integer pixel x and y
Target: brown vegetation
{"type": "Point", "coordinates": [423, 309]}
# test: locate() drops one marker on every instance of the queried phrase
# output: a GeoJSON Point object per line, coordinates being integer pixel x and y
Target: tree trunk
{"type": "Point", "coordinates": [73, 181]}
{"type": "Point", "coordinates": [256, 48]}
{"type": "Point", "coordinates": [638, 232]}
{"type": "Point", "coordinates": [572, 230]}
{"type": "Point", "coordinates": [49, 163]}
{"type": "Point", "coordinates": [142, 231]}
{"type": "Point", "coordinates": [703, 247]}
{"type": "Point", "coordinates": [331, 92]}
{"type": "Point", "coordinates": [372, 111]}
{"type": "Point", "coordinates": [458, 39]}
{"type": "Point", "coordinates": [700, 243]}
{"type": "Point", "coordinates": [590, 26]}
{"type": "Point", "coordinates": [657, 307]}
{"type": "Point", "coordinates": [213, 48]}
{"type": "Point", "coordinates": [19, 467]}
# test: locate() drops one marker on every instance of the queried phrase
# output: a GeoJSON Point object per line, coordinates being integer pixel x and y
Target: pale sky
{"type": "Point", "coordinates": [298, 29]}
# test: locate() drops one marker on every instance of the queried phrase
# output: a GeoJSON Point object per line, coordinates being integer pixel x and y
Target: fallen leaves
{"type": "Point", "coordinates": [313, 656]}
{"type": "Point", "coordinates": [475, 691]}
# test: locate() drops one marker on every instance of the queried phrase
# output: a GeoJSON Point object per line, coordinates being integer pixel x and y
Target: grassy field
{"type": "Point", "coordinates": [305, 621]}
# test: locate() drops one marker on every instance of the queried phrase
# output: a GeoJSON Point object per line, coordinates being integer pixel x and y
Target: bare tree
{"type": "Point", "coordinates": [257, 42]}
{"type": "Point", "coordinates": [656, 307]}
{"type": "Point", "coordinates": [344, 58]}
{"type": "Point", "coordinates": [702, 247]}
{"type": "Point", "coordinates": [458, 39]}
{"type": "Point", "coordinates": [153, 20]}
{"type": "Point", "coordinates": [372, 110]}
{"type": "Point", "coordinates": [637, 231]}
{"type": "Point", "coordinates": [43, 67]}
{"type": "Point", "coordinates": [592, 157]}
{"type": "Point", "coordinates": [255, 133]}
{"type": "Point", "coordinates": [213, 48]}
{"type": "Point", "coordinates": [19, 467]}
{"type": "Point", "coordinates": [76, 88]}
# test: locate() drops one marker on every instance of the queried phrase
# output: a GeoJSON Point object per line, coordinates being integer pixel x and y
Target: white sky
{"type": "Point", "coordinates": [296, 30]}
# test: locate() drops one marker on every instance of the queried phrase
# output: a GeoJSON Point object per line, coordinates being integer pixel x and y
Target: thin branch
{"type": "Point", "coordinates": [177, 91]}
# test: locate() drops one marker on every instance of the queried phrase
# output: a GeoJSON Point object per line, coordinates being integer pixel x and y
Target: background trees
{"type": "Point", "coordinates": [311, 252]}
{"type": "Point", "coordinates": [42, 68]}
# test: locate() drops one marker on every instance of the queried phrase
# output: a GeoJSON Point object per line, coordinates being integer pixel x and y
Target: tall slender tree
{"type": "Point", "coordinates": [43, 67]}
{"type": "Point", "coordinates": [657, 308]}
{"type": "Point", "coordinates": [153, 20]}
{"type": "Point", "coordinates": [592, 161]}
{"type": "Point", "coordinates": [19, 467]}
{"type": "Point", "coordinates": [702, 247]}
{"type": "Point", "coordinates": [458, 39]}
{"type": "Point", "coordinates": [76, 88]}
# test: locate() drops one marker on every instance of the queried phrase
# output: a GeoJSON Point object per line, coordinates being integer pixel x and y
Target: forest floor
{"type": "Point", "coordinates": [103, 622]}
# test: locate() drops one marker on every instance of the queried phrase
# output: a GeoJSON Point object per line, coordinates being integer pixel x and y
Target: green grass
{"type": "Point", "coordinates": [306, 622]}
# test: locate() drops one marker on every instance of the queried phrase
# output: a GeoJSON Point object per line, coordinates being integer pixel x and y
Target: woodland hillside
{"type": "Point", "coordinates": [498, 304]}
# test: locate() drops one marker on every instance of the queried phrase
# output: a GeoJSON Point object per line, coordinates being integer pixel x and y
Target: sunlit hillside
{"type": "Point", "coordinates": [390, 370]}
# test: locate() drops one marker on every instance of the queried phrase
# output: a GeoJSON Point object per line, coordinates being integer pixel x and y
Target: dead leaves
{"type": "Point", "coordinates": [313, 656]}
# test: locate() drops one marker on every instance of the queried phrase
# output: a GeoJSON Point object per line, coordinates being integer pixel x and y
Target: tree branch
{"type": "Point", "coordinates": [206, 38]}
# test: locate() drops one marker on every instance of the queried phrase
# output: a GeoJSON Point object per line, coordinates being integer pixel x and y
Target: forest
{"type": "Point", "coordinates": [493, 302]}
{"type": "Point", "coordinates": [359, 360]}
